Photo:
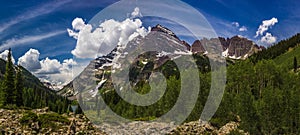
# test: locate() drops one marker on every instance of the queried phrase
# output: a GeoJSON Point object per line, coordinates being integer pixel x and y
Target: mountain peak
{"type": "Point", "coordinates": [163, 29]}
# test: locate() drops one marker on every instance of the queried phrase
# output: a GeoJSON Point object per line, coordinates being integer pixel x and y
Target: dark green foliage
{"type": "Point", "coordinates": [47, 120]}
{"type": "Point", "coordinates": [36, 98]}
{"type": "Point", "coordinates": [28, 118]}
{"type": "Point", "coordinates": [19, 87]}
{"type": "Point", "coordinates": [261, 95]}
{"type": "Point", "coordinates": [235, 132]}
{"type": "Point", "coordinates": [264, 96]}
{"type": "Point", "coordinates": [8, 90]}
{"type": "Point", "coordinates": [277, 50]}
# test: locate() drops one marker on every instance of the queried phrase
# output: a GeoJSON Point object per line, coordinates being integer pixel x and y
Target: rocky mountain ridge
{"type": "Point", "coordinates": [236, 47]}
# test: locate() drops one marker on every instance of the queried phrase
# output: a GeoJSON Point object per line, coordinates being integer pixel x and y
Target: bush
{"type": "Point", "coordinates": [217, 122]}
{"type": "Point", "coordinates": [235, 132]}
{"type": "Point", "coordinates": [44, 120]}
{"type": "Point", "coordinates": [10, 107]}
{"type": "Point", "coordinates": [48, 120]}
{"type": "Point", "coordinates": [28, 118]}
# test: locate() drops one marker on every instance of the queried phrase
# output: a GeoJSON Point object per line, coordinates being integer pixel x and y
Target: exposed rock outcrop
{"type": "Point", "coordinates": [10, 123]}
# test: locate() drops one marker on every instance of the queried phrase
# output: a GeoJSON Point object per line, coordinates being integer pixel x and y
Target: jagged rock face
{"type": "Point", "coordinates": [160, 28]}
{"type": "Point", "coordinates": [235, 47]}
{"type": "Point", "coordinates": [187, 45]}
{"type": "Point", "coordinates": [224, 42]}
{"type": "Point", "coordinates": [239, 47]}
{"type": "Point", "coordinates": [197, 47]}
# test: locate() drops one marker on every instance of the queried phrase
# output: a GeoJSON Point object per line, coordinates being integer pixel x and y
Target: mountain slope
{"type": "Point", "coordinates": [236, 47]}
{"type": "Point", "coordinates": [277, 49]}
{"type": "Point", "coordinates": [287, 59]}
{"type": "Point", "coordinates": [30, 81]}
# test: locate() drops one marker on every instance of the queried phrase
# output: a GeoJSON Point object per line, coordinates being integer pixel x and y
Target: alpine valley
{"type": "Point", "coordinates": [262, 94]}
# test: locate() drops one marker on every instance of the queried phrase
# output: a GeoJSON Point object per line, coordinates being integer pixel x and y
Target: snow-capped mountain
{"type": "Point", "coordinates": [165, 46]}
{"type": "Point", "coordinates": [160, 45]}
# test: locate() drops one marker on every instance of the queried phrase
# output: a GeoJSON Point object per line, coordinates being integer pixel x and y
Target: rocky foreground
{"type": "Point", "coordinates": [42, 121]}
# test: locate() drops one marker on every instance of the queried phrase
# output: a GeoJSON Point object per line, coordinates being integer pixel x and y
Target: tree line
{"type": "Point", "coordinates": [15, 94]}
{"type": "Point", "coordinates": [263, 96]}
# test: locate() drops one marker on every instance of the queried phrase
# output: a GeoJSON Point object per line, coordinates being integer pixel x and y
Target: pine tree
{"type": "Point", "coordinates": [19, 87]}
{"type": "Point", "coordinates": [1, 95]}
{"type": "Point", "coordinates": [8, 82]}
{"type": "Point", "coordinates": [295, 64]}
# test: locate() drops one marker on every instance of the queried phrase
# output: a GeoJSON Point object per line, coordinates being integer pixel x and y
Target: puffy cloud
{"type": "Point", "coordinates": [67, 65]}
{"type": "Point", "coordinates": [49, 70]}
{"type": "Point", "coordinates": [103, 39]}
{"type": "Point", "coordinates": [49, 66]}
{"type": "Point", "coordinates": [58, 73]}
{"type": "Point", "coordinates": [265, 26]}
{"type": "Point", "coordinates": [78, 24]}
{"type": "Point", "coordinates": [236, 24]}
{"type": "Point", "coordinates": [243, 28]}
{"type": "Point", "coordinates": [4, 54]}
{"type": "Point", "coordinates": [268, 39]}
{"type": "Point", "coordinates": [30, 60]}
{"type": "Point", "coordinates": [136, 13]}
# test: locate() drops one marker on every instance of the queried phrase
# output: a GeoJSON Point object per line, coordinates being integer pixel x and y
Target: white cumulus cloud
{"type": "Point", "coordinates": [243, 28]}
{"type": "Point", "coordinates": [78, 24]}
{"type": "Point", "coordinates": [4, 54]}
{"type": "Point", "coordinates": [268, 39]}
{"type": "Point", "coordinates": [236, 24]}
{"type": "Point", "coordinates": [30, 60]}
{"type": "Point", "coordinates": [266, 24]}
{"type": "Point", "coordinates": [49, 66]}
{"type": "Point", "coordinates": [136, 13]}
{"type": "Point", "coordinates": [50, 70]}
{"type": "Point", "coordinates": [103, 39]}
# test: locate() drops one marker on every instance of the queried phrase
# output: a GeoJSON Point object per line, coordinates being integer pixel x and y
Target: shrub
{"type": "Point", "coordinates": [28, 118]}
{"type": "Point", "coordinates": [48, 120]}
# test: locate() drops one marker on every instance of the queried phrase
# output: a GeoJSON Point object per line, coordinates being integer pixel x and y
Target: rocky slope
{"type": "Point", "coordinates": [237, 47]}
{"type": "Point", "coordinates": [11, 123]}
{"type": "Point", "coordinates": [14, 122]}
{"type": "Point", "coordinates": [196, 128]}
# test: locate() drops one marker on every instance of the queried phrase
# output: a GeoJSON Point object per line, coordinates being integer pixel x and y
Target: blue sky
{"type": "Point", "coordinates": [42, 25]}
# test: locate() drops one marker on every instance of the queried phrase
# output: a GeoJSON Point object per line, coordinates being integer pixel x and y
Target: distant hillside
{"type": "Point", "coordinates": [30, 81]}
{"type": "Point", "coordinates": [286, 60]}
{"type": "Point", "coordinates": [35, 94]}
{"type": "Point", "coordinates": [277, 49]}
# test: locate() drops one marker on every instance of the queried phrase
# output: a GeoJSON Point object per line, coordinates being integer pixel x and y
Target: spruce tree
{"type": "Point", "coordinates": [8, 82]}
{"type": "Point", "coordinates": [19, 87]}
{"type": "Point", "coordinates": [1, 95]}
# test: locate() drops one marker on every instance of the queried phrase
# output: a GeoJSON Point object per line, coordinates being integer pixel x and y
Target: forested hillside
{"type": "Point", "coordinates": [261, 92]}
{"type": "Point", "coordinates": [19, 88]}
{"type": "Point", "coordinates": [264, 93]}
